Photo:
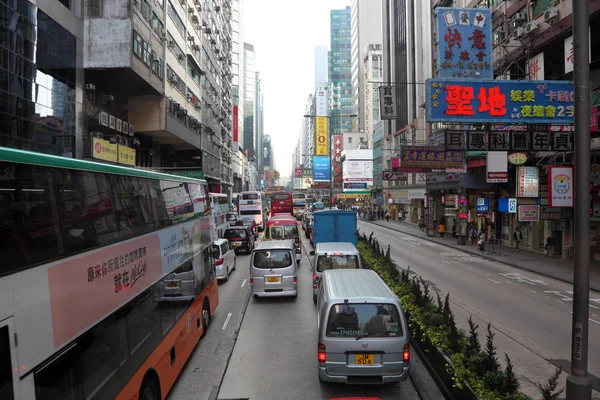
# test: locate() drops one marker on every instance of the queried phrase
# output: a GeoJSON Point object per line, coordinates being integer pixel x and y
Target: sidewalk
{"type": "Point", "coordinates": [556, 268]}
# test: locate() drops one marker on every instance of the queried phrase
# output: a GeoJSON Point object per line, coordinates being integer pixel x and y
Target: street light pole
{"type": "Point", "coordinates": [579, 386]}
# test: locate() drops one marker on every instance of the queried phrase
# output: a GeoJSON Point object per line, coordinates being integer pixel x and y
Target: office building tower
{"type": "Point", "coordinates": [340, 71]}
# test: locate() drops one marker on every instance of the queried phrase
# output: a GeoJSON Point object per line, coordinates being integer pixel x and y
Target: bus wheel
{"type": "Point", "coordinates": [150, 388]}
{"type": "Point", "coordinates": [205, 317]}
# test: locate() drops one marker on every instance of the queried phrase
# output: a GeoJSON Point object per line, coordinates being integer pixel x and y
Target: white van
{"type": "Point", "coordinates": [273, 269]}
{"type": "Point", "coordinates": [363, 334]}
{"type": "Point", "coordinates": [333, 255]}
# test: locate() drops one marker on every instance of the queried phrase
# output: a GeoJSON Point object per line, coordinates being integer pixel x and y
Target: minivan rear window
{"type": "Point", "coordinates": [364, 320]}
{"type": "Point", "coordinates": [272, 259]}
{"type": "Point", "coordinates": [235, 233]}
{"type": "Point", "coordinates": [325, 262]}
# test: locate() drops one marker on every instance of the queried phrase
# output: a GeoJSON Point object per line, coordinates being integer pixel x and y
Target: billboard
{"type": "Point", "coordinates": [297, 183]}
{"type": "Point", "coordinates": [235, 129]}
{"type": "Point", "coordinates": [488, 100]}
{"type": "Point", "coordinates": [338, 147]}
{"type": "Point", "coordinates": [430, 157]}
{"type": "Point", "coordinates": [358, 174]}
{"type": "Point", "coordinates": [112, 152]}
{"type": "Point", "coordinates": [322, 147]}
{"type": "Point", "coordinates": [321, 169]}
{"type": "Point", "coordinates": [560, 185]}
{"type": "Point", "coordinates": [322, 100]}
{"type": "Point", "coordinates": [464, 43]}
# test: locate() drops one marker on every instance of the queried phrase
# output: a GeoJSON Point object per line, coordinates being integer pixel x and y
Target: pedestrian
{"type": "Point", "coordinates": [454, 229]}
{"type": "Point", "coordinates": [441, 229]}
{"type": "Point", "coordinates": [550, 246]}
{"type": "Point", "coordinates": [481, 241]}
{"type": "Point", "coordinates": [387, 216]}
{"type": "Point", "coordinates": [517, 237]}
{"type": "Point", "coordinates": [422, 224]}
{"type": "Point", "coordinates": [399, 216]}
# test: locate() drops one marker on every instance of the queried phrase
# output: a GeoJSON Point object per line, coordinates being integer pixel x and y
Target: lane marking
{"type": "Point", "coordinates": [226, 321]}
{"type": "Point", "coordinates": [594, 321]}
{"type": "Point", "coordinates": [509, 282]}
{"type": "Point", "coordinates": [444, 261]}
{"type": "Point", "coordinates": [597, 308]}
{"type": "Point", "coordinates": [532, 291]}
{"type": "Point", "coordinates": [489, 279]}
{"type": "Point", "coordinates": [244, 283]}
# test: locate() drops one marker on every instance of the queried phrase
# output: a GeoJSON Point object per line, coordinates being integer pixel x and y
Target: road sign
{"type": "Point", "coordinates": [394, 176]}
{"type": "Point", "coordinates": [512, 206]}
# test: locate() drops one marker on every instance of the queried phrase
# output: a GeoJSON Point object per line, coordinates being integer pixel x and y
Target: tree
{"type": "Point", "coordinates": [490, 359]}
{"type": "Point", "coordinates": [549, 390]}
{"type": "Point", "coordinates": [512, 383]}
{"type": "Point", "coordinates": [473, 345]}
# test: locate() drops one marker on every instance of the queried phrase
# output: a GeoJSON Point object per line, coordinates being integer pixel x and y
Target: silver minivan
{"type": "Point", "coordinates": [333, 255]}
{"type": "Point", "coordinates": [273, 269]}
{"type": "Point", "coordinates": [363, 334]}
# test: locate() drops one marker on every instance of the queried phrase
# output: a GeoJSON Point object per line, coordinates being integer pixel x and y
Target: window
{"type": "Point", "coordinates": [250, 196]}
{"type": "Point", "coordinates": [235, 233]}
{"type": "Point", "coordinates": [137, 44]}
{"type": "Point", "coordinates": [350, 140]}
{"type": "Point", "coordinates": [176, 19]}
{"type": "Point", "coordinates": [272, 259]}
{"type": "Point", "coordinates": [250, 212]}
{"type": "Point", "coordinates": [364, 319]}
{"type": "Point", "coordinates": [326, 262]}
{"type": "Point", "coordinates": [146, 53]}
{"type": "Point", "coordinates": [158, 66]}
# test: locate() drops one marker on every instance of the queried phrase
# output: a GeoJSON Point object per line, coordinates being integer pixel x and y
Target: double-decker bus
{"type": "Point", "coordinates": [299, 204]}
{"type": "Point", "coordinates": [282, 203]}
{"type": "Point", "coordinates": [92, 304]}
{"type": "Point", "coordinates": [219, 206]}
{"type": "Point", "coordinates": [251, 206]}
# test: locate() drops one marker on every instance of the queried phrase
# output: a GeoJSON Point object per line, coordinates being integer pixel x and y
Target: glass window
{"type": "Point", "coordinates": [146, 53]}
{"type": "Point", "coordinates": [326, 262]}
{"type": "Point", "coordinates": [282, 196]}
{"type": "Point", "coordinates": [138, 44]}
{"type": "Point", "coordinates": [176, 19]}
{"type": "Point", "coordinates": [362, 320]}
{"type": "Point", "coordinates": [235, 233]}
{"type": "Point", "coordinates": [250, 212]}
{"type": "Point", "coordinates": [143, 328]}
{"type": "Point", "coordinates": [272, 259]}
{"type": "Point", "coordinates": [60, 378]}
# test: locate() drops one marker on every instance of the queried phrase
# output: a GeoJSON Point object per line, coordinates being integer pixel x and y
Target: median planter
{"type": "Point", "coordinates": [462, 368]}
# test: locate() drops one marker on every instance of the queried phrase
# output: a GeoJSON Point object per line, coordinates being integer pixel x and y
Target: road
{"type": "Point", "coordinates": [530, 313]}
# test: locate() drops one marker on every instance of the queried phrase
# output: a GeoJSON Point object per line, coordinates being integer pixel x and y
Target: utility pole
{"type": "Point", "coordinates": [579, 386]}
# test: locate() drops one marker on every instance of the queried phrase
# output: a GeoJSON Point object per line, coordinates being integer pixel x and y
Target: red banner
{"type": "Point", "coordinates": [298, 172]}
{"type": "Point", "coordinates": [235, 124]}
{"type": "Point", "coordinates": [338, 147]}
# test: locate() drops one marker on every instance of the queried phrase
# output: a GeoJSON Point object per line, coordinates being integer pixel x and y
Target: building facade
{"type": "Point", "coordinates": [366, 18]}
{"type": "Point", "coordinates": [372, 79]}
{"type": "Point", "coordinates": [307, 135]}
{"type": "Point", "coordinates": [41, 49]}
{"type": "Point", "coordinates": [259, 120]}
{"type": "Point", "coordinates": [340, 71]}
{"type": "Point", "coordinates": [320, 64]}
{"type": "Point", "coordinates": [249, 99]}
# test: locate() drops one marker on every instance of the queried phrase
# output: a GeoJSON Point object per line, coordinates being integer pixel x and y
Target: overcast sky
{"type": "Point", "coordinates": [284, 34]}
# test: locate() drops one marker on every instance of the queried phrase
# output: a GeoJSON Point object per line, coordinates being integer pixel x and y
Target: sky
{"type": "Point", "coordinates": [284, 34]}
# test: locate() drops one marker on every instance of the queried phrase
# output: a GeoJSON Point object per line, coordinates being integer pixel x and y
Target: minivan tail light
{"type": "Point", "coordinates": [251, 280]}
{"type": "Point", "coordinates": [295, 279]}
{"type": "Point", "coordinates": [219, 261]}
{"type": "Point", "coordinates": [406, 356]}
{"type": "Point", "coordinates": [314, 280]}
{"type": "Point", "coordinates": [322, 355]}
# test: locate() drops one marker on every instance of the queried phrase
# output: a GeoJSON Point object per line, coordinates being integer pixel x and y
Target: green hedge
{"type": "Point", "coordinates": [432, 320]}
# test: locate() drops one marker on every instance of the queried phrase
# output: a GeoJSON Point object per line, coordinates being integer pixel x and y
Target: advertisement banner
{"type": "Point", "coordinates": [357, 170]}
{"type": "Point", "coordinates": [235, 129]}
{"type": "Point", "coordinates": [488, 100]}
{"type": "Point", "coordinates": [297, 183]}
{"type": "Point", "coordinates": [464, 43]}
{"type": "Point", "coordinates": [126, 155]}
{"type": "Point", "coordinates": [387, 99]}
{"type": "Point", "coordinates": [497, 167]}
{"type": "Point", "coordinates": [321, 169]}
{"type": "Point", "coordinates": [560, 186]}
{"type": "Point", "coordinates": [306, 182]}
{"type": "Point", "coordinates": [535, 68]}
{"type": "Point", "coordinates": [112, 152]}
{"type": "Point", "coordinates": [298, 173]}
{"type": "Point", "coordinates": [527, 181]}
{"type": "Point", "coordinates": [430, 157]}
{"type": "Point", "coordinates": [338, 147]}
{"type": "Point", "coordinates": [529, 213]}
{"type": "Point", "coordinates": [322, 139]}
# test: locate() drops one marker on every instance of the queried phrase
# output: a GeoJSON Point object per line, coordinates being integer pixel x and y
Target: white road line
{"type": "Point", "coordinates": [226, 321]}
{"type": "Point", "coordinates": [594, 321]}
{"type": "Point", "coordinates": [244, 283]}
{"type": "Point", "coordinates": [597, 308]}
{"type": "Point", "coordinates": [444, 261]}
{"type": "Point", "coordinates": [532, 291]}
{"type": "Point", "coordinates": [559, 301]}
{"type": "Point", "coordinates": [493, 281]}
{"type": "Point", "coordinates": [509, 282]}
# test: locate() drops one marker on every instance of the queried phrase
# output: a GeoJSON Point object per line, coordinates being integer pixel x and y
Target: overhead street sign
{"type": "Point", "coordinates": [394, 176]}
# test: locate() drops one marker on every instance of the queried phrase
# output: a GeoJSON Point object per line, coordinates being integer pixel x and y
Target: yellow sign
{"type": "Point", "coordinates": [112, 152]}
{"type": "Point", "coordinates": [351, 196]}
{"type": "Point", "coordinates": [322, 148]}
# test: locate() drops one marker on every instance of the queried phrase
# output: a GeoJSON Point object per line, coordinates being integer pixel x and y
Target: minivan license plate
{"type": "Point", "coordinates": [273, 279]}
{"type": "Point", "coordinates": [364, 359]}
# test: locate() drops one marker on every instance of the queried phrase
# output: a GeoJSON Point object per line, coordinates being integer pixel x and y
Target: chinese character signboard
{"type": "Point", "coordinates": [483, 205]}
{"type": "Point", "coordinates": [455, 140]}
{"type": "Point", "coordinates": [560, 187]}
{"type": "Point", "coordinates": [497, 101]}
{"type": "Point", "coordinates": [322, 146]}
{"type": "Point", "coordinates": [529, 213]}
{"type": "Point", "coordinates": [235, 129]}
{"type": "Point", "coordinates": [112, 152]}
{"type": "Point", "coordinates": [535, 68]}
{"type": "Point", "coordinates": [496, 167]}
{"type": "Point", "coordinates": [338, 147]}
{"type": "Point", "coordinates": [387, 99]}
{"type": "Point", "coordinates": [568, 54]}
{"type": "Point", "coordinates": [464, 43]}
{"type": "Point", "coordinates": [527, 181]}
{"type": "Point", "coordinates": [430, 157]}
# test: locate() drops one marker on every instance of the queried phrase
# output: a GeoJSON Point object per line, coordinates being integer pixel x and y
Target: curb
{"type": "Point", "coordinates": [596, 290]}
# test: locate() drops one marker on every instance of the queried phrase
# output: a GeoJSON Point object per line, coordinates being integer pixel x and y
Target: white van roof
{"type": "Point", "coordinates": [357, 285]}
{"type": "Point", "coordinates": [275, 244]}
{"type": "Point", "coordinates": [330, 247]}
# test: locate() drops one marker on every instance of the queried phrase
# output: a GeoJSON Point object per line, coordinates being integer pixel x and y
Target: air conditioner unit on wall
{"type": "Point", "coordinates": [550, 14]}
{"type": "Point", "coordinates": [531, 27]}
{"type": "Point", "coordinates": [519, 32]}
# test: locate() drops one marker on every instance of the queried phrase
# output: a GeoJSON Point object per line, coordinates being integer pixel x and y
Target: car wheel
{"type": "Point", "coordinates": [205, 317]}
{"type": "Point", "coordinates": [315, 298]}
{"type": "Point", "coordinates": [226, 275]}
{"type": "Point", "coordinates": [149, 389]}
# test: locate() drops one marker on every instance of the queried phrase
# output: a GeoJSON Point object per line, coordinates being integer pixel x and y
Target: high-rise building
{"type": "Point", "coordinates": [240, 161]}
{"type": "Point", "coordinates": [320, 64]}
{"type": "Point", "coordinates": [307, 137]}
{"type": "Point", "coordinates": [259, 120]}
{"type": "Point", "coordinates": [249, 99]}
{"type": "Point", "coordinates": [340, 71]}
{"type": "Point", "coordinates": [373, 72]}
{"type": "Point", "coordinates": [39, 46]}
{"type": "Point", "coordinates": [366, 29]}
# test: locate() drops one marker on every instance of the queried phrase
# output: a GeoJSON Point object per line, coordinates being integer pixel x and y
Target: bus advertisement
{"type": "Point", "coordinates": [219, 205]}
{"type": "Point", "coordinates": [282, 203]}
{"type": "Point", "coordinates": [251, 206]}
{"type": "Point", "coordinates": [110, 283]}
{"type": "Point", "coordinates": [299, 204]}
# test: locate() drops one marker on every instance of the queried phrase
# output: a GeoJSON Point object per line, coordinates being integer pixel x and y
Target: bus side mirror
{"type": "Point", "coordinates": [312, 252]}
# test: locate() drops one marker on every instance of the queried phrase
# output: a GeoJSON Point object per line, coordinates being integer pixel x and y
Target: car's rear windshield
{"type": "Point", "coordinates": [231, 216]}
{"type": "Point", "coordinates": [250, 212]}
{"type": "Point", "coordinates": [364, 319]}
{"type": "Point", "coordinates": [281, 197]}
{"type": "Point", "coordinates": [325, 262]}
{"type": "Point", "coordinates": [283, 232]}
{"type": "Point", "coordinates": [235, 233]}
{"type": "Point", "coordinates": [270, 259]}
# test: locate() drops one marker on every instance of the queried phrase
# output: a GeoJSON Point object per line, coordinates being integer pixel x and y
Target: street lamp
{"type": "Point", "coordinates": [329, 134]}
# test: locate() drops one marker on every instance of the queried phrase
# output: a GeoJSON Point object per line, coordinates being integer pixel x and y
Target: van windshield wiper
{"type": "Point", "coordinates": [364, 335]}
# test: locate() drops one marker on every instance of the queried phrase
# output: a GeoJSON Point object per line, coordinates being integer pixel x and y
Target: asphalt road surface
{"type": "Point", "coordinates": [530, 313]}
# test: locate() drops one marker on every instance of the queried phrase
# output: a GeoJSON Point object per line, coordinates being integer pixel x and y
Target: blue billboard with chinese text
{"type": "Point", "coordinates": [321, 168]}
{"type": "Point", "coordinates": [498, 101]}
{"type": "Point", "coordinates": [464, 43]}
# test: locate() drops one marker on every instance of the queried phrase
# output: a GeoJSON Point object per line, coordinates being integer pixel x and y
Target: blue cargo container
{"type": "Point", "coordinates": [334, 226]}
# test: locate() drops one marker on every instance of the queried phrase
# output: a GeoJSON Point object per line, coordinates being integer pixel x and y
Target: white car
{"type": "Point", "coordinates": [225, 258]}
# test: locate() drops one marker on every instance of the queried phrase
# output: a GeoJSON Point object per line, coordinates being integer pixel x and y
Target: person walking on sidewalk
{"type": "Point", "coordinates": [442, 229]}
{"type": "Point", "coordinates": [422, 224]}
{"type": "Point", "coordinates": [517, 237]}
{"type": "Point", "coordinates": [481, 241]}
{"type": "Point", "coordinates": [550, 249]}
{"type": "Point", "coordinates": [387, 216]}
